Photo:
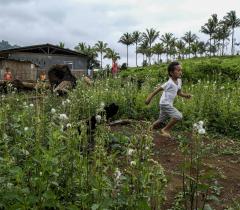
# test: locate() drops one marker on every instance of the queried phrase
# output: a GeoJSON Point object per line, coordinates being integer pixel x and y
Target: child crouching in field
{"type": "Point", "coordinates": [170, 89]}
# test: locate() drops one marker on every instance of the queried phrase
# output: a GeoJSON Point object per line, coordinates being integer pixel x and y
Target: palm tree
{"type": "Point", "coordinates": [137, 37]}
{"type": "Point", "coordinates": [214, 19]}
{"type": "Point", "coordinates": [89, 51]}
{"type": "Point", "coordinates": [61, 44]}
{"type": "Point", "coordinates": [222, 33]}
{"type": "Point", "coordinates": [180, 45]}
{"type": "Point", "coordinates": [81, 47]}
{"type": "Point", "coordinates": [195, 47]}
{"type": "Point", "coordinates": [101, 47]}
{"type": "Point", "coordinates": [158, 49]}
{"type": "Point", "coordinates": [150, 36]}
{"type": "Point", "coordinates": [232, 21]}
{"type": "Point", "coordinates": [202, 48]}
{"type": "Point", "coordinates": [111, 54]}
{"type": "Point", "coordinates": [172, 49]}
{"type": "Point", "coordinates": [127, 40]}
{"type": "Point", "coordinates": [209, 29]}
{"type": "Point", "coordinates": [189, 38]}
{"type": "Point", "coordinates": [167, 39]}
{"type": "Point", "coordinates": [144, 49]}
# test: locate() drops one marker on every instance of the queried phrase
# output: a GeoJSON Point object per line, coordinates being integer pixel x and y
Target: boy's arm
{"type": "Point", "coordinates": [184, 95]}
{"type": "Point", "coordinates": [151, 95]}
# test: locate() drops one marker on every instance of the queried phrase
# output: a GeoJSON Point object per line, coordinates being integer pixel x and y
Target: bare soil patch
{"type": "Point", "coordinates": [166, 151]}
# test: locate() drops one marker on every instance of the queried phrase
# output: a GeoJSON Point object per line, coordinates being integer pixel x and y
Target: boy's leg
{"type": "Point", "coordinates": [175, 117]}
{"type": "Point", "coordinates": [166, 130]}
{"type": "Point", "coordinates": [156, 124]}
{"type": "Point", "coordinates": [160, 120]}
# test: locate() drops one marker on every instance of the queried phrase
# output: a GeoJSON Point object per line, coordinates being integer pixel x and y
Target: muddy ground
{"type": "Point", "coordinates": [225, 160]}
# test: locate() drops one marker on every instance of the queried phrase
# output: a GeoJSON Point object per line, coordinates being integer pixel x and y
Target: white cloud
{"type": "Point", "coordinates": [27, 22]}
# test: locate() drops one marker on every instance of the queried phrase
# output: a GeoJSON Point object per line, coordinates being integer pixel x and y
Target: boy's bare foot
{"type": "Point", "coordinates": [165, 133]}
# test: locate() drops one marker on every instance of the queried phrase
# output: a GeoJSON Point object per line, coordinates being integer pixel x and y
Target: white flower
{"type": "Point", "coordinates": [69, 125]}
{"type": "Point", "coordinates": [31, 105]}
{"type": "Point", "coordinates": [198, 125]}
{"type": "Point", "coordinates": [3, 96]}
{"type": "Point", "coordinates": [68, 101]}
{"type": "Point", "coordinates": [24, 103]}
{"type": "Point", "coordinates": [53, 111]}
{"type": "Point", "coordinates": [25, 152]}
{"type": "Point", "coordinates": [201, 131]}
{"type": "Point", "coordinates": [26, 128]}
{"type": "Point", "coordinates": [9, 185]}
{"type": "Point", "coordinates": [98, 118]}
{"type": "Point", "coordinates": [102, 105]}
{"type": "Point", "coordinates": [117, 174]}
{"type": "Point", "coordinates": [153, 161]}
{"type": "Point", "coordinates": [63, 117]}
{"type": "Point", "coordinates": [133, 163]}
{"type": "Point", "coordinates": [222, 87]}
{"type": "Point", "coordinates": [130, 151]}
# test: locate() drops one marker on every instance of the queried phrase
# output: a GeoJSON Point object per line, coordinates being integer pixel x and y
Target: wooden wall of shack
{"type": "Point", "coordinates": [22, 70]}
{"type": "Point", "coordinates": [77, 64]}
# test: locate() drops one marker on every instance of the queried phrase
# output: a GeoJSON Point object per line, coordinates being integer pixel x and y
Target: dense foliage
{"type": "Point", "coordinates": [45, 162]}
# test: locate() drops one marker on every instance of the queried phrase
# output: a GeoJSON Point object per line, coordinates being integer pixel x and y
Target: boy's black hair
{"type": "Point", "coordinates": [171, 67]}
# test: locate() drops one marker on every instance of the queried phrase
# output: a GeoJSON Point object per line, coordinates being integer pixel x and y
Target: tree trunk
{"type": "Point", "coordinates": [210, 44]}
{"type": "Point", "coordinates": [127, 55]}
{"type": "Point", "coordinates": [136, 54]}
{"type": "Point", "coordinates": [150, 55]}
{"type": "Point", "coordinates": [189, 49]}
{"type": "Point", "coordinates": [232, 41]}
{"type": "Point", "coordinates": [101, 60]}
{"type": "Point", "coordinates": [223, 47]}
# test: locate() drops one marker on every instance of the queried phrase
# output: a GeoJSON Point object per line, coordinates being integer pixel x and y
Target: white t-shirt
{"type": "Point", "coordinates": [170, 91]}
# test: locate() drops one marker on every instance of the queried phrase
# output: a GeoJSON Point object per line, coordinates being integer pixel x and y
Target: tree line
{"type": "Point", "coordinates": [150, 42]}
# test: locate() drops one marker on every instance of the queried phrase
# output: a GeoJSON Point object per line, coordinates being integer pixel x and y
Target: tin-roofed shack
{"type": "Point", "coordinates": [43, 57]}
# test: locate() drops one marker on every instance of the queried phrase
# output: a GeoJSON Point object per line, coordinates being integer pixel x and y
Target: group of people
{"type": "Point", "coordinates": [9, 77]}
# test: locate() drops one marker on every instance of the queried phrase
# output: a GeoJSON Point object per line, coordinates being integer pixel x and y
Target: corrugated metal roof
{"type": "Point", "coordinates": [43, 48]}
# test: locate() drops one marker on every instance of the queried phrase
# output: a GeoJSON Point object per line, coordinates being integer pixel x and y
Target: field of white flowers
{"type": "Point", "coordinates": [46, 164]}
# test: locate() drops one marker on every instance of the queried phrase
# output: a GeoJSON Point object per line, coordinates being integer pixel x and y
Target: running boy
{"type": "Point", "coordinates": [170, 89]}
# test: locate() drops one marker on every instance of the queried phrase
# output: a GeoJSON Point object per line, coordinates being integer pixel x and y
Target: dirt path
{"type": "Point", "coordinates": [168, 155]}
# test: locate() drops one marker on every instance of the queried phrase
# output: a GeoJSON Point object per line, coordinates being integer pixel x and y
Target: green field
{"type": "Point", "coordinates": [46, 164]}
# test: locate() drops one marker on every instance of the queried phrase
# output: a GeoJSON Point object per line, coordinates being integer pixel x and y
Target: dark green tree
{"type": "Point", "coordinates": [150, 36]}
{"type": "Point", "coordinates": [127, 40]}
{"type": "Point", "coordinates": [101, 47]}
{"type": "Point", "coordinates": [137, 37]}
{"type": "Point", "coordinates": [233, 22]}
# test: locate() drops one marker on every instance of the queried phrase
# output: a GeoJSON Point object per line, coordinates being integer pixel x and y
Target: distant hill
{"type": "Point", "coordinates": [4, 45]}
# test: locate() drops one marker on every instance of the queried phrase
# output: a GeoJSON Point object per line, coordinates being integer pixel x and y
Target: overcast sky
{"type": "Point", "coordinates": [31, 22]}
